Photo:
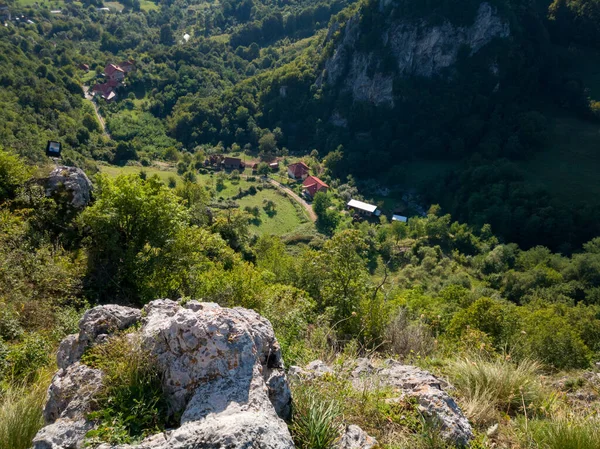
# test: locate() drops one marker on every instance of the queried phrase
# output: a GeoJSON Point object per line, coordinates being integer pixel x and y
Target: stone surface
{"type": "Point", "coordinates": [222, 372]}
{"type": "Point", "coordinates": [356, 438]}
{"type": "Point", "coordinates": [409, 381]}
{"type": "Point", "coordinates": [71, 180]}
{"type": "Point", "coordinates": [93, 327]}
{"type": "Point", "coordinates": [71, 391]}
{"type": "Point", "coordinates": [417, 48]}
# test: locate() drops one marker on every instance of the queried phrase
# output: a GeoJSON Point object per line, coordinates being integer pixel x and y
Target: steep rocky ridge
{"type": "Point", "coordinates": [416, 47]}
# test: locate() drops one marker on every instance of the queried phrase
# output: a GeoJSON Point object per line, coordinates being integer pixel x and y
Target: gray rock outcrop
{"type": "Point", "coordinates": [409, 381]}
{"type": "Point", "coordinates": [417, 47]}
{"type": "Point", "coordinates": [356, 438]}
{"type": "Point", "coordinates": [222, 372]}
{"type": "Point", "coordinates": [72, 181]}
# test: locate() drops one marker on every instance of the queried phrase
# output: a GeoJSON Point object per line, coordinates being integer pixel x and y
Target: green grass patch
{"type": "Point", "coordinates": [131, 404]}
{"type": "Point", "coordinates": [147, 5]}
{"type": "Point", "coordinates": [114, 6]}
{"type": "Point", "coordinates": [221, 38]}
{"type": "Point", "coordinates": [21, 408]}
{"type": "Point", "coordinates": [286, 218]}
{"type": "Point", "coordinates": [163, 173]}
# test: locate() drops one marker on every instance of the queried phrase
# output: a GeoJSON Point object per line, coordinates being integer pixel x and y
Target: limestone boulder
{"type": "Point", "coordinates": [71, 181]}
{"type": "Point", "coordinates": [222, 373]}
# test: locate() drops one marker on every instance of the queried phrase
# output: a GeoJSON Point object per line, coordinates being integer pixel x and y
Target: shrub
{"type": "Point", "coordinates": [131, 404]}
{"type": "Point", "coordinates": [497, 385]}
{"type": "Point", "coordinates": [21, 408]}
{"type": "Point", "coordinates": [28, 356]}
{"type": "Point", "coordinates": [553, 339]}
{"type": "Point", "coordinates": [10, 328]}
{"type": "Point", "coordinates": [405, 338]}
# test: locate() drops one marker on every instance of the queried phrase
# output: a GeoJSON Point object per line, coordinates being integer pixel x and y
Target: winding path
{"type": "Point", "coordinates": [88, 96]}
{"type": "Point", "coordinates": [295, 197]}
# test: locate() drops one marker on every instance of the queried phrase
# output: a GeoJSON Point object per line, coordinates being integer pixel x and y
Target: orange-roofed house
{"type": "Point", "coordinates": [312, 185]}
{"type": "Point", "coordinates": [299, 170]}
{"type": "Point", "coordinates": [114, 72]}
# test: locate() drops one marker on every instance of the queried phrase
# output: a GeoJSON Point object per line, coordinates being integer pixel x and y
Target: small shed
{"type": "Point", "coordinates": [399, 218]}
{"type": "Point", "coordinates": [363, 208]}
{"type": "Point", "coordinates": [233, 163]}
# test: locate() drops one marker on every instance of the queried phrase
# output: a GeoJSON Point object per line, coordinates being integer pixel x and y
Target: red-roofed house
{"type": "Point", "coordinates": [106, 90]}
{"type": "Point", "coordinates": [312, 185]}
{"type": "Point", "coordinates": [299, 170]}
{"type": "Point", "coordinates": [114, 72]}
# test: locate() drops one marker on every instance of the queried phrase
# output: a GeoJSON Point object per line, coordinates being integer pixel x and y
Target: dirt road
{"type": "Point", "coordinates": [88, 96]}
{"type": "Point", "coordinates": [297, 198]}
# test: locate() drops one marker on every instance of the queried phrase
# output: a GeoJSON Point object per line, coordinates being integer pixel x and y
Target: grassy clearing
{"type": "Point", "coordinates": [221, 38]}
{"type": "Point", "coordinates": [287, 215]}
{"type": "Point", "coordinates": [114, 6]}
{"type": "Point", "coordinates": [162, 172]}
{"type": "Point", "coordinates": [21, 413]}
{"type": "Point", "coordinates": [287, 218]}
{"type": "Point", "coordinates": [148, 5]}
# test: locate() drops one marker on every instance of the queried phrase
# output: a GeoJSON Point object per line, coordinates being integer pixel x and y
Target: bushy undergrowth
{"type": "Point", "coordinates": [331, 402]}
{"type": "Point", "coordinates": [498, 385]}
{"type": "Point", "coordinates": [563, 433]}
{"type": "Point", "coordinates": [21, 408]}
{"type": "Point", "coordinates": [131, 404]}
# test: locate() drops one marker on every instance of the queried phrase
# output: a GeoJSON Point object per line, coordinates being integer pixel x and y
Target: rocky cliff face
{"type": "Point", "coordinates": [417, 48]}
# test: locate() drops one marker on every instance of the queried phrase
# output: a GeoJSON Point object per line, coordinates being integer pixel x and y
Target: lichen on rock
{"type": "Point", "coordinates": [222, 370]}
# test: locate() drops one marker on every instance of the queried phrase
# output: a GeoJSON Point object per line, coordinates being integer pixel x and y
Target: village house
{"type": "Point", "coordinates": [312, 185]}
{"type": "Point", "coordinates": [298, 171]}
{"type": "Point", "coordinates": [114, 72]}
{"type": "Point", "coordinates": [106, 90]}
{"type": "Point", "coordinates": [233, 163]}
{"type": "Point", "coordinates": [399, 218]}
{"type": "Point", "coordinates": [84, 67]}
{"type": "Point", "coordinates": [362, 208]}
{"type": "Point", "coordinates": [274, 166]}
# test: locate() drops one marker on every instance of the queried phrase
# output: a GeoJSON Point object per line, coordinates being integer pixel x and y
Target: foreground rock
{"type": "Point", "coordinates": [410, 381]}
{"type": "Point", "coordinates": [71, 181]}
{"type": "Point", "coordinates": [223, 374]}
{"type": "Point", "coordinates": [356, 438]}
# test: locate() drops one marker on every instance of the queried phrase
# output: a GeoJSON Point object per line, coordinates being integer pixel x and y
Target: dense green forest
{"type": "Point", "coordinates": [252, 69]}
{"type": "Point", "coordinates": [504, 268]}
{"type": "Point", "coordinates": [423, 291]}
